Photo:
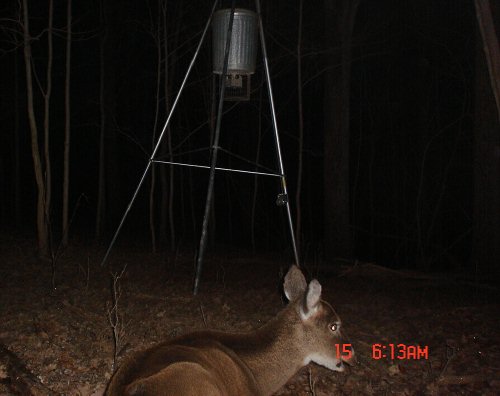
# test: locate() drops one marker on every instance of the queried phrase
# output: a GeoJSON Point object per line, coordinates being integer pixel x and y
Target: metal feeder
{"type": "Point", "coordinates": [234, 64]}
{"type": "Point", "coordinates": [242, 50]}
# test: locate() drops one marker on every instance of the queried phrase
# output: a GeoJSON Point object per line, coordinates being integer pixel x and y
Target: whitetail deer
{"type": "Point", "coordinates": [213, 363]}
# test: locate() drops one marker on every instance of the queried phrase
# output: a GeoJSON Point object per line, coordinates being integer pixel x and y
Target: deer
{"type": "Point", "coordinates": [260, 362]}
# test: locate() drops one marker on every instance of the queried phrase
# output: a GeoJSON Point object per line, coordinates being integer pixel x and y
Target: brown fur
{"type": "Point", "coordinates": [213, 363]}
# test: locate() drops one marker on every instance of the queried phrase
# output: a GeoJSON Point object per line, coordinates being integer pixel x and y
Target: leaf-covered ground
{"type": "Point", "coordinates": [64, 338]}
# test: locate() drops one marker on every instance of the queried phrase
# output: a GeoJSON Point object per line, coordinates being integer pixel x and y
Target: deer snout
{"type": "Point", "coordinates": [349, 356]}
{"type": "Point", "coordinates": [346, 357]}
{"type": "Point", "coordinates": [339, 366]}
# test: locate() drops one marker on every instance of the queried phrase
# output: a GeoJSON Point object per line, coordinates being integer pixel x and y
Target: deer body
{"type": "Point", "coordinates": [256, 363]}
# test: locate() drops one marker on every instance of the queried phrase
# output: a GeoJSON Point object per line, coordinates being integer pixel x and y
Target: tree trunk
{"type": "Point", "coordinates": [167, 81]}
{"type": "Point", "coordinates": [339, 24]}
{"type": "Point", "coordinates": [42, 227]}
{"type": "Point", "coordinates": [67, 129]}
{"type": "Point", "coordinates": [108, 163]}
{"type": "Point", "coordinates": [256, 177]}
{"type": "Point", "coordinates": [46, 123]}
{"type": "Point", "coordinates": [487, 20]}
{"type": "Point", "coordinates": [298, 215]}
{"type": "Point", "coordinates": [101, 189]}
{"type": "Point", "coordinates": [486, 164]}
{"type": "Point", "coordinates": [157, 38]}
{"type": "Point", "coordinates": [167, 174]}
{"type": "Point", "coordinates": [17, 157]}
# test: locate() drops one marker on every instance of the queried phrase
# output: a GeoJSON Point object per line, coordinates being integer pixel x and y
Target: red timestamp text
{"type": "Point", "coordinates": [399, 352]}
{"type": "Point", "coordinates": [344, 351]}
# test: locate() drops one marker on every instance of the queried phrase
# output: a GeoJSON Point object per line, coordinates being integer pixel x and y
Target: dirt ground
{"type": "Point", "coordinates": [62, 338]}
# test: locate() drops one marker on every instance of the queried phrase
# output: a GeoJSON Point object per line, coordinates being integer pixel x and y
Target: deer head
{"type": "Point", "coordinates": [318, 332]}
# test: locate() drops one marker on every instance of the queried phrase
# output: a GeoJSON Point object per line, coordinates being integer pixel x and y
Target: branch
{"type": "Point", "coordinates": [490, 46]}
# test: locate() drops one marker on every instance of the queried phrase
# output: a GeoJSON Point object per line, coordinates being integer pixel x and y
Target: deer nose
{"type": "Point", "coordinates": [349, 358]}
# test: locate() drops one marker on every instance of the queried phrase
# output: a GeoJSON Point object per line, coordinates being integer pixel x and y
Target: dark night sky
{"type": "Point", "coordinates": [411, 100]}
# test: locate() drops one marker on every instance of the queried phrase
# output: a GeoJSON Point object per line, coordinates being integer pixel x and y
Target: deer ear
{"type": "Point", "coordinates": [295, 283]}
{"type": "Point", "coordinates": [311, 299]}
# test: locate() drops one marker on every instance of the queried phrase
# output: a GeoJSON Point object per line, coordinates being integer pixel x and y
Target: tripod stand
{"type": "Point", "coordinates": [282, 197]}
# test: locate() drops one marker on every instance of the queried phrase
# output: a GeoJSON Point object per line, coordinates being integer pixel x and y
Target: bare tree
{"type": "Point", "coordinates": [67, 128]}
{"type": "Point", "coordinates": [115, 316]}
{"type": "Point", "coordinates": [256, 177]}
{"type": "Point", "coordinates": [339, 24]}
{"type": "Point", "coordinates": [298, 214]}
{"type": "Point", "coordinates": [41, 219]}
{"type": "Point", "coordinates": [108, 162]}
{"type": "Point", "coordinates": [159, 59]}
{"type": "Point", "coordinates": [46, 122]}
{"type": "Point", "coordinates": [17, 156]}
{"type": "Point", "coordinates": [490, 45]}
{"type": "Point", "coordinates": [163, 73]}
{"type": "Point", "coordinates": [486, 142]}
{"type": "Point", "coordinates": [167, 187]}
{"type": "Point", "coordinates": [101, 189]}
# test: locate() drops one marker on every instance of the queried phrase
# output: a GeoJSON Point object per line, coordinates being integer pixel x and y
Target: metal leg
{"type": "Point", "coordinates": [148, 166]}
{"type": "Point", "coordinates": [276, 136]}
{"type": "Point", "coordinates": [215, 148]}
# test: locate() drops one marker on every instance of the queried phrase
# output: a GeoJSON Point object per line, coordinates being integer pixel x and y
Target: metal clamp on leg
{"type": "Point", "coordinates": [282, 199]}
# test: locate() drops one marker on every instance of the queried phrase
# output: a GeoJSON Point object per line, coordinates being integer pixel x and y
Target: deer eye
{"type": "Point", "coordinates": [334, 326]}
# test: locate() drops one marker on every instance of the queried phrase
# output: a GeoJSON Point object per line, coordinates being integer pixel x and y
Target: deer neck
{"type": "Point", "coordinates": [277, 354]}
